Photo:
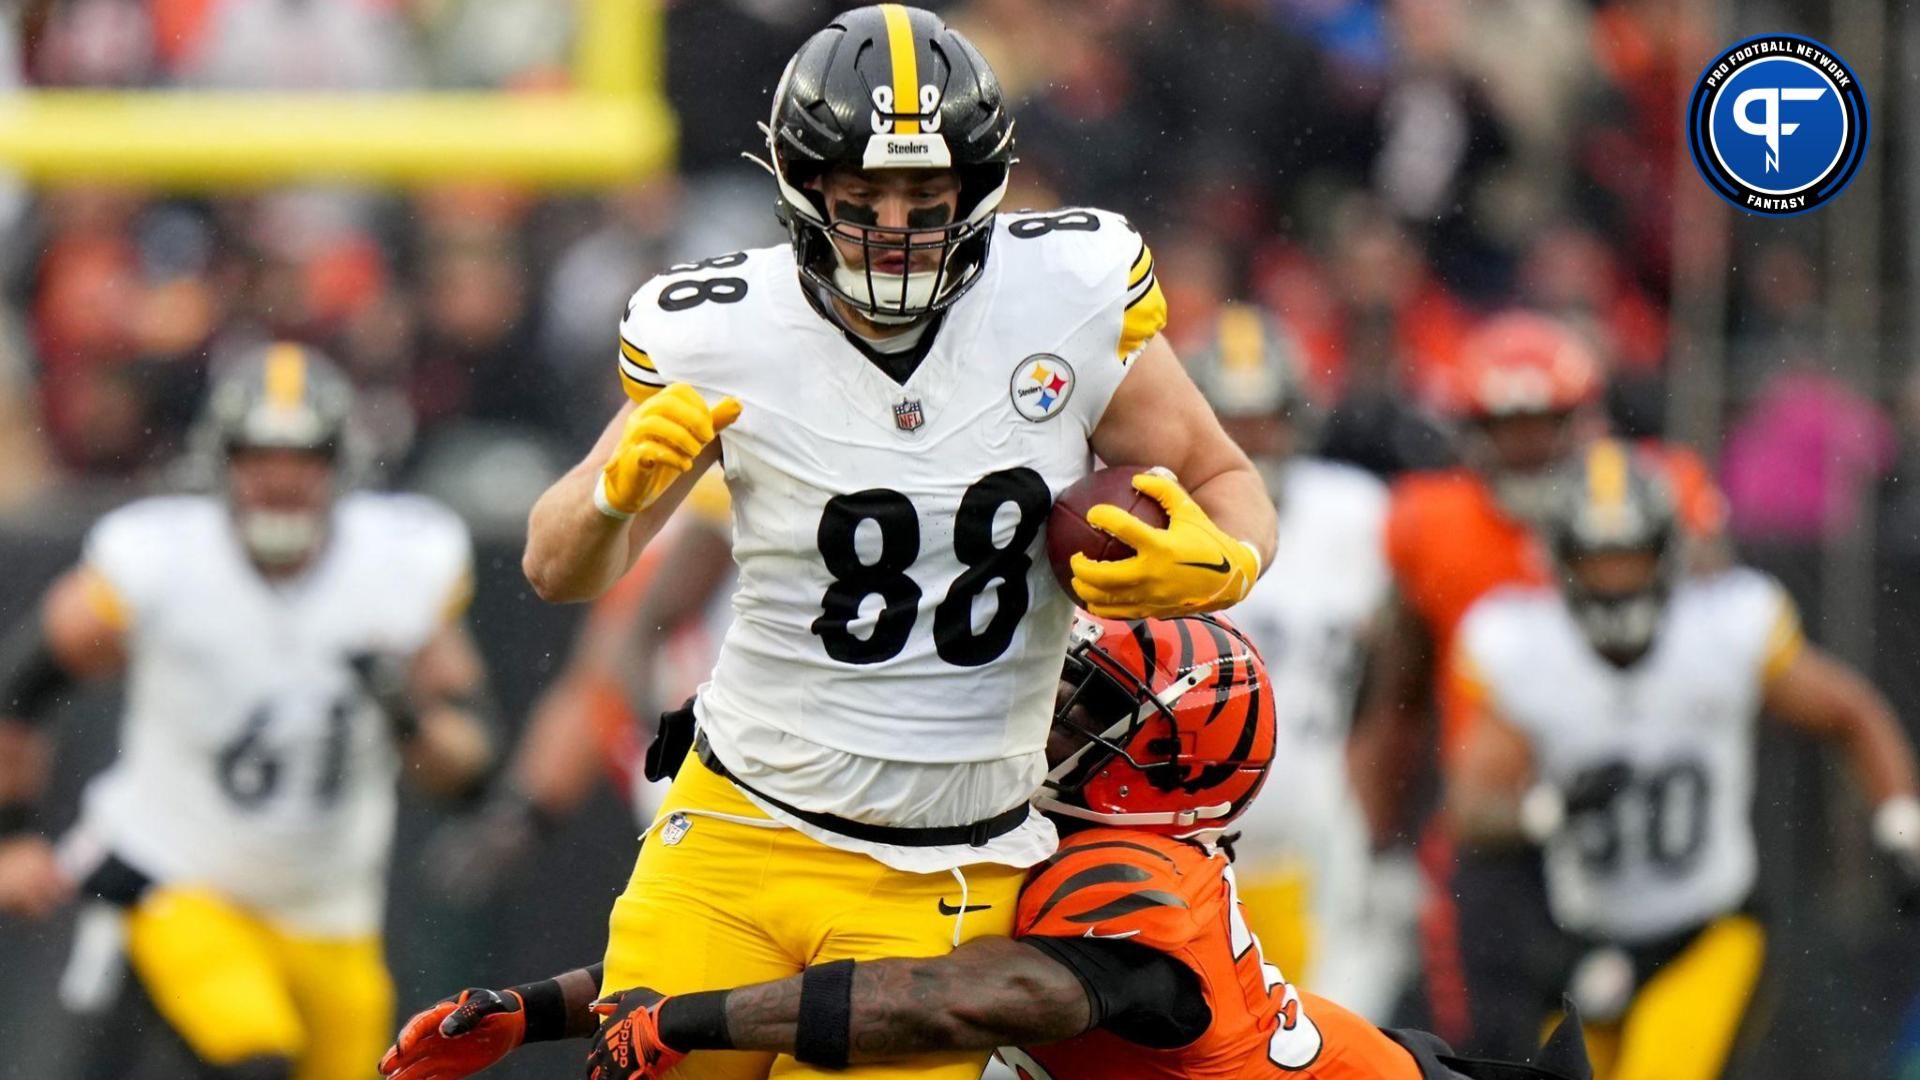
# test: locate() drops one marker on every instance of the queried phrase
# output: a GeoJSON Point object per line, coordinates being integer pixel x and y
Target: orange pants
{"type": "Point", "coordinates": [1353, 1049]}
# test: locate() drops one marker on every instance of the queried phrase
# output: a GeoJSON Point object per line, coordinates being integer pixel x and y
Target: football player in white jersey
{"type": "Point", "coordinates": [899, 392]}
{"type": "Point", "coordinates": [1619, 731]}
{"type": "Point", "coordinates": [1303, 858]}
{"type": "Point", "coordinates": [288, 651]}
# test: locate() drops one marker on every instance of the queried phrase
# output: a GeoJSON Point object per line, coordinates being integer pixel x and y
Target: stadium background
{"type": "Point", "coordinates": [1375, 172]}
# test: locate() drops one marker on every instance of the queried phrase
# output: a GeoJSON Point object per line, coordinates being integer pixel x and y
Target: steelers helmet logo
{"type": "Point", "coordinates": [1777, 125]}
{"type": "Point", "coordinates": [1040, 387]}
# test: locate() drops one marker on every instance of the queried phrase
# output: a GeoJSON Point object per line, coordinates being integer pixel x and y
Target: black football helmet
{"type": "Point", "coordinates": [890, 87]}
{"type": "Point", "coordinates": [1608, 499]}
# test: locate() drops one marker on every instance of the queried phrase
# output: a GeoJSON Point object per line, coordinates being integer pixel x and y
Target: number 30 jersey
{"type": "Point", "coordinates": [897, 635]}
{"type": "Point", "coordinates": [250, 760]}
{"type": "Point", "coordinates": [1655, 762]}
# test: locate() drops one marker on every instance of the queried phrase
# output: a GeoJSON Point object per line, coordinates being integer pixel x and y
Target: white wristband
{"type": "Point", "coordinates": [601, 504]}
{"type": "Point", "coordinates": [1896, 824]}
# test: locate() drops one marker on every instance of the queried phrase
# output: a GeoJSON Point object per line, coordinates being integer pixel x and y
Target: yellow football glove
{"type": "Point", "coordinates": [1187, 567]}
{"type": "Point", "coordinates": [663, 437]}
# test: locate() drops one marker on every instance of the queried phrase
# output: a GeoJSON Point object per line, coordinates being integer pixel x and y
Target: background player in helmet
{"type": "Point", "coordinates": [1526, 394]}
{"type": "Point", "coordinates": [1617, 725]}
{"type": "Point", "coordinates": [899, 391]}
{"type": "Point", "coordinates": [1133, 956]}
{"type": "Point", "coordinates": [289, 648]}
{"type": "Point", "coordinates": [1325, 914]}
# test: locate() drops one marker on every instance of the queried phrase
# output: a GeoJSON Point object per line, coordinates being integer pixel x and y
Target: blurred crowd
{"type": "Point", "coordinates": [1377, 173]}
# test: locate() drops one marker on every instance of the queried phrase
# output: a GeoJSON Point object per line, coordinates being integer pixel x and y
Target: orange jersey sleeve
{"type": "Point", "coordinates": [1117, 886]}
{"type": "Point", "coordinates": [1697, 497]}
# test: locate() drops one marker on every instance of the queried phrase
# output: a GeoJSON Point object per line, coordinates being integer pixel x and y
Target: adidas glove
{"type": "Point", "coordinates": [662, 438]}
{"type": "Point", "coordinates": [628, 1045]}
{"type": "Point", "coordinates": [1190, 566]}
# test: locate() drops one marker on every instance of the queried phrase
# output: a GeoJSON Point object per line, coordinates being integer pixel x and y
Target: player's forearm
{"type": "Point", "coordinates": [451, 753]}
{"type": "Point", "coordinates": [1237, 501]}
{"type": "Point", "coordinates": [24, 752]}
{"type": "Point", "coordinates": [1881, 756]}
{"type": "Point", "coordinates": [575, 552]}
{"type": "Point", "coordinates": [986, 994]}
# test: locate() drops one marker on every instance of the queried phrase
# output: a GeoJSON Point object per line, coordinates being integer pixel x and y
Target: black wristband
{"type": "Point", "coordinates": [32, 681]}
{"type": "Point", "coordinates": [16, 818]}
{"type": "Point", "coordinates": [546, 1008]}
{"type": "Point", "coordinates": [826, 1015]}
{"type": "Point", "coordinates": [690, 1022]}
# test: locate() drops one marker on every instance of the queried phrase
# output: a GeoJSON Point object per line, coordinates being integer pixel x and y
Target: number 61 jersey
{"type": "Point", "coordinates": [251, 761]}
{"type": "Point", "coordinates": [1655, 762]}
{"type": "Point", "coordinates": [897, 634]}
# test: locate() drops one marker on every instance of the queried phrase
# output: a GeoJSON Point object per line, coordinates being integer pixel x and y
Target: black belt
{"type": "Point", "coordinates": [973, 835]}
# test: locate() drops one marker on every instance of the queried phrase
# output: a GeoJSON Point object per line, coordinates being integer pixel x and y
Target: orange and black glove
{"type": "Point", "coordinates": [457, 1036]}
{"type": "Point", "coordinates": [1190, 566]}
{"type": "Point", "coordinates": [628, 1045]}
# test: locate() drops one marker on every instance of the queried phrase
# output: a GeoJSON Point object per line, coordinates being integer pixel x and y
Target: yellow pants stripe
{"type": "Point", "coordinates": [235, 987]}
{"type": "Point", "coordinates": [1683, 1022]}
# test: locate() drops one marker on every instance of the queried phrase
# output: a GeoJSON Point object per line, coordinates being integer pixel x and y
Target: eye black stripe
{"type": "Point", "coordinates": [1104, 874]}
{"type": "Point", "coordinates": [1127, 905]}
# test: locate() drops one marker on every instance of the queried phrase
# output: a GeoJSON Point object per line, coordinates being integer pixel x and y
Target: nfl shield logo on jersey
{"type": "Point", "coordinates": [908, 415]}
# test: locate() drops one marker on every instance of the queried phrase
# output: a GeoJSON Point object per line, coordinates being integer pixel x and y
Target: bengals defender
{"type": "Point", "coordinates": [289, 648]}
{"type": "Point", "coordinates": [1617, 722]}
{"type": "Point", "coordinates": [1132, 957]}
{"type": "Point", "coordinates": [899, 392]}
{"type": "Point", "coordinates": [1525, 394]}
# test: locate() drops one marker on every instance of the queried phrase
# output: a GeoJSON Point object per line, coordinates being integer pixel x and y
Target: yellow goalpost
{"type": "Point", "coordinates": [611, 127]}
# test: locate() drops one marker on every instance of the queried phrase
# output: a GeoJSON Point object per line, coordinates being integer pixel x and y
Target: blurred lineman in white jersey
{"type": "Point", "coordinates": [1315, 896]}
{"type": "Point", "coordinates": [288, 650]}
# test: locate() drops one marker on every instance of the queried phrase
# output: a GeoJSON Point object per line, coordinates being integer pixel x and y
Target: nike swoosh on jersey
{"type": "Point", "coordinates": [951, 909]}
{"type": "Point", "coordinates": [1221, 567]}
{"type": "Point", "coordinates": [1122, 935]}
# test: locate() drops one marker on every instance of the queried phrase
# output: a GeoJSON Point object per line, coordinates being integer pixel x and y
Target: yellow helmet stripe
{"type": "Point", "coordinates": [1607, 475]}
{"type": "Point", "coordinates": [286, 376]}
{"type": "Point", "coordinates": [906, 67]}
{"type": "Point", "coordinates": [1242, 339]}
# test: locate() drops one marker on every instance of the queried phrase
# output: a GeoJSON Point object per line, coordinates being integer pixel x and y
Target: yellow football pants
{"type": "Point", "coordinates": [235, 987]}
{"type": "Point", "coordinates": [1683, 1022]}
{"type": "Point", "coordinates": [1279, 909]}
{"type": "Point", "coordinates": [728, 903]}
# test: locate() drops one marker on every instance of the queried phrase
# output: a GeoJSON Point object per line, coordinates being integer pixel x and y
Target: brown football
{"type": "Point", "coordinates": [1067, 528]}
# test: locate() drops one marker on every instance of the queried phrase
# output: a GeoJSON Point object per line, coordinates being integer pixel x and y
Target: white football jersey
{"type": "Point", "coordinates": [1656, 760]}
{"type": "Point", "coordinates": [898, 634]}
{"type": "Point", "coordinates": [1307, 616]}
{"type": "Point", "coordinates": [250, 760]}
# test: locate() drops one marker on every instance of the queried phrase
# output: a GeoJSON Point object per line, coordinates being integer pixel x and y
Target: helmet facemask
{"type": "Point", "coordinates": [957, 244]}
{"type": "Point", "coordinates": [1618, 549]}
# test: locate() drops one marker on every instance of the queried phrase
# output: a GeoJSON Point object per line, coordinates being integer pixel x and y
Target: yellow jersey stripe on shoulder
{"type": "Point", "coordinates": [103, 599]}
{"type": "Point", "coordinates": [636, 355]}
{"type": "Point", "coordinates": [459, 599]}
{"type": "Point", "coordinates": [1146, 315]}
{"type": "Point", "coordinates": [1784, 640]}
{"type": "Point", "coordinates": [638, 390]}
{"type": "Point", "coordinates": [1142, 266]}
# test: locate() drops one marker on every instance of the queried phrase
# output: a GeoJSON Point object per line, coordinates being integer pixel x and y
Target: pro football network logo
{"type": "Point", "coordinates": [1041, 385]}
{"type": "Point", "coordinates": [1777, 124]}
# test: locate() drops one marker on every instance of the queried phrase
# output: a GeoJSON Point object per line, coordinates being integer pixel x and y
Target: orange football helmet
{"type": "Point", "coordinates": [1523, 363]}
{"type": "Point", "coordinates": [1164, 725]}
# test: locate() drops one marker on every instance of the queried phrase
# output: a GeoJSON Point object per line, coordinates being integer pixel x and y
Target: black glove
{"type": "Point", "coordinates": [386, 679]}
{"type": "Point", "coordinates": [470, 857]}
